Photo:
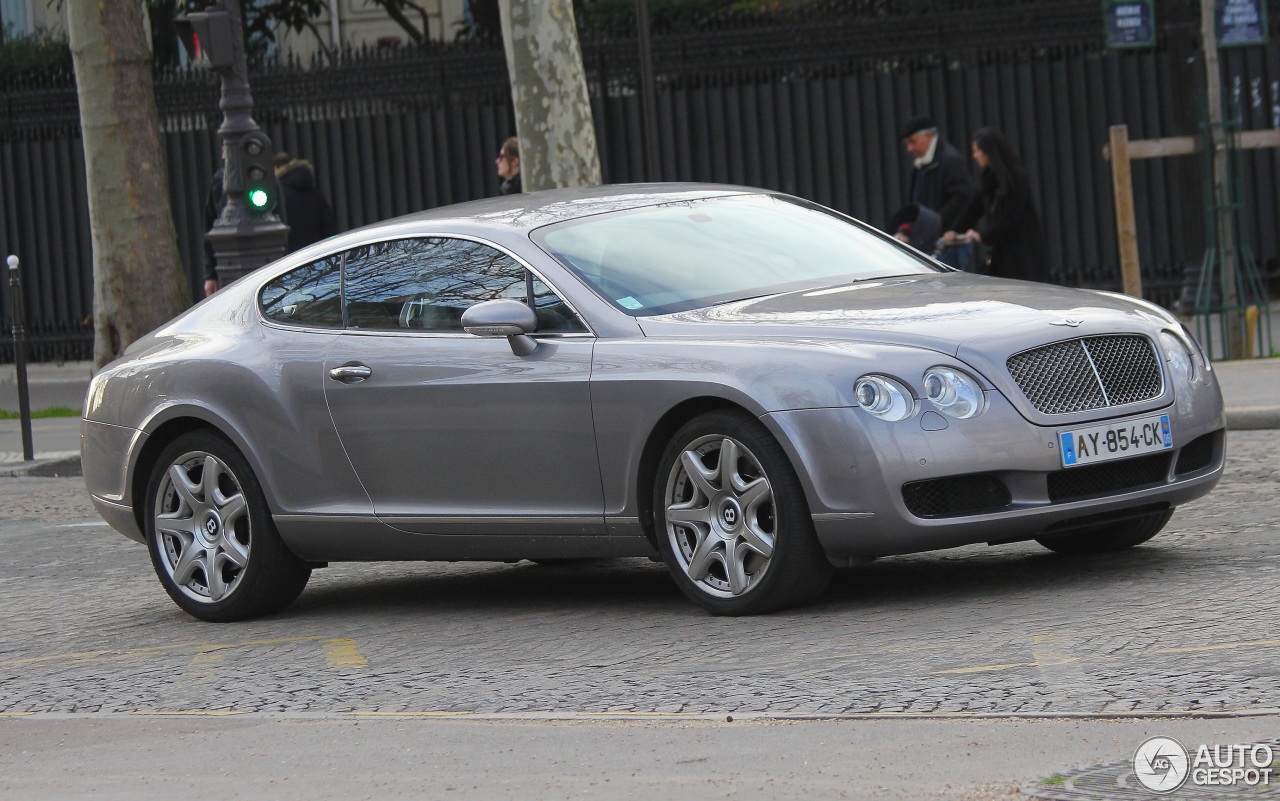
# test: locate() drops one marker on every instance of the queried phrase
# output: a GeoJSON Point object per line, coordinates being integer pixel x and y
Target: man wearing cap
{"type": "Point", "coordinates": [939, 180]}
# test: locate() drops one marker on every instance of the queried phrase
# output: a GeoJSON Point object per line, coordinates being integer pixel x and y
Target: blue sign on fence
{"type": "Point", "coordinates": [1130, 23]}
{"type": "Point", "coordinates": [1240, 22]}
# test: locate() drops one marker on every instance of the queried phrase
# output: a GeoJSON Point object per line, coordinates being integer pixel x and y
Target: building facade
{"type": "Point", "coordinates": [346, 23]}
{"type": "Point", "coordinates": [363, 23]}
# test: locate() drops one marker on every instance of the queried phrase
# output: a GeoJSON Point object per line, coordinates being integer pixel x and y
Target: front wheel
{"type": "Point", "coordinates": [211, 537]}
{"type": "Point", "coordinates": [731, 519]}
{"type": "Point", "coordinates": [1111, 537]}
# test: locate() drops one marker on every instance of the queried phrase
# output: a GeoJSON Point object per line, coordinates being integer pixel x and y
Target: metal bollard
{"type": "Point", "coordinates": [20, 356]}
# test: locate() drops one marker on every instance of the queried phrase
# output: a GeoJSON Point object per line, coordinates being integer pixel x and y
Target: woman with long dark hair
{"type": "Point", "coordinates": [1003, 216]}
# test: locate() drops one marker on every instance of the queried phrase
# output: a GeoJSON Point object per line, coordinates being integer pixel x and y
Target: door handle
{"type": "Point", "coordinates": [352, 373]}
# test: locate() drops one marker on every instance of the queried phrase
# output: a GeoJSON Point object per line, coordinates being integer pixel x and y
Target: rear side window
{"type": "Point", "coordinates": [309, 295]}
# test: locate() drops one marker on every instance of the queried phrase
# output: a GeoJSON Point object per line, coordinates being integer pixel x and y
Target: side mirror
{"type": "Point", "coordinates": [503, 318]}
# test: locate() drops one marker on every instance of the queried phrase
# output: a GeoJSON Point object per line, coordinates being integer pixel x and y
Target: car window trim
{"type": "Point", "coordinates": [342, 289]}
{"type": "Point", "coordinates": [481, 241]}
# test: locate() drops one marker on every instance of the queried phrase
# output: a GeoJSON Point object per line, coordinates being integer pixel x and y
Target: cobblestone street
{"type": "Point", "coordinates": [1184, 623]}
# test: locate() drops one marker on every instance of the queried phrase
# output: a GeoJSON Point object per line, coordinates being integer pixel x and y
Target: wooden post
{"type": "Point", "coordinates": [1126, 224]}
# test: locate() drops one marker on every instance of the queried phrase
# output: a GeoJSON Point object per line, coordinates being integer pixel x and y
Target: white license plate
{"type": "Point", "coordinates": [1115, 440]}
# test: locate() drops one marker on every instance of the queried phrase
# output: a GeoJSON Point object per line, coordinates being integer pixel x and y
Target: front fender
{"type": "Point", "coordinates": [635, 383]}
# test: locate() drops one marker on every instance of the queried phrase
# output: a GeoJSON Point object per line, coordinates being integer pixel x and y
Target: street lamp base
{"type": "Point", "coordinates": [243, 248]}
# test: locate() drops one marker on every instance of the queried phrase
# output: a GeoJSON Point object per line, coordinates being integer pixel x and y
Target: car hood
{"type": "Point", "coordinates": [979, 321]}
{"type": "Point", "coordinates": [951, 313]}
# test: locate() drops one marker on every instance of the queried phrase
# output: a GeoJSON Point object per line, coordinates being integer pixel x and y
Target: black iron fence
{"type": "Point", "coordinates": [811, 108]}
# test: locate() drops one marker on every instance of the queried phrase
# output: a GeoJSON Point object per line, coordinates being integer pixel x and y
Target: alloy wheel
{"type": "Point", "coordinates": [720, 516]}
{"type": "Point", "coordinates": [202, 527]}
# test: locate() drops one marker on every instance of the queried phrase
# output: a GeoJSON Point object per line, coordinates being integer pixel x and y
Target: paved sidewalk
{"type": "Point", "coordinates": [1251, 389]}
{"type": "Point", "coordinates": [56, 440]}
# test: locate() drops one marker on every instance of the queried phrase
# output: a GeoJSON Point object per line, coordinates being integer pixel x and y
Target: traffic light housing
{"type": "Point", "coordinates": [208, 37]}
{"type": "Point", "coordinates": [257, 172]}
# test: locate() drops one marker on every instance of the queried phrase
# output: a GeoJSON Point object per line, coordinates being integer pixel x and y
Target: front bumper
{"type": "Point", "coordinates": [854, 467]}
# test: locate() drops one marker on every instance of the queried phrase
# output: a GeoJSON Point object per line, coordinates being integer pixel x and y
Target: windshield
{"type": "Point", "coordinates": [690, 254]}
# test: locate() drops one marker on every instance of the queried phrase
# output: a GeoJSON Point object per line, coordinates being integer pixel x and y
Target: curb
{"type": "Point", "coordinates": [58, 467]}
{"type": "Point", "coordinates": [641, 716]}
{"type": "Point", "coordinates": [1253, 418]}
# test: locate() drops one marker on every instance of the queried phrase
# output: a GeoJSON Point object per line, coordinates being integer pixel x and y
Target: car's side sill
{"type": "Point", "coordinates": [529, 525]}
{"type": "Point", "coordinates": [337, 538]}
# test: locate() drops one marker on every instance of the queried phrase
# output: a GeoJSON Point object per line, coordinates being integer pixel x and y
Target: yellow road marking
{"type": "Point", "coordinates": [342, 653]}
{"type": "Point", "coordinates": [191, 713]}
{"type": "Point", "coordinates": [1049, 650]}
{"type": "Point", "coordinates": [984, 668]}
{"type": "Point", "coordinates": [1220, 647]}
{"type": "Point", "coordinates": [204, 664]}
{"type": "Point", "coordinates": [16, 714]}
{"type": "Point", "coordinates": [105, 655]}
{"type": "Point", "coordinates": [1059, 660]}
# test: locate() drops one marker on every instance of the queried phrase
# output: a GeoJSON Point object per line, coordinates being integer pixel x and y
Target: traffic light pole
{"type": "Point", "coordinates": [243, 238]}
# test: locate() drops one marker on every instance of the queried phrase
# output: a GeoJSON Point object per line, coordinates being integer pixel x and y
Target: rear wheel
{"type": "Point", "coordinates": [212, 541]}
{"type": "Point", "coordinates": [1111, 537]}
{"type": "Point", "coordinates": [731, 518]}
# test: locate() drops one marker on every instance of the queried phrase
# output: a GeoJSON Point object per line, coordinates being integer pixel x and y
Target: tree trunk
{"type": "Point", "coordinates": [138, 281]}
{"type": "Point", "coordinates": [549, 91]}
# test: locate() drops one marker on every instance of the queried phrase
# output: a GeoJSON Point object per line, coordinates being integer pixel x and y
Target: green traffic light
{"type": "Point", "coordinates": [258, 198]}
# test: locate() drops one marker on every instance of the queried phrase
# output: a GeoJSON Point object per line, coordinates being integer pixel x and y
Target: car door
{"type": "Point", "coordinates": [307, 465]}
{"type": "Point", "coordinates": [452, 433]}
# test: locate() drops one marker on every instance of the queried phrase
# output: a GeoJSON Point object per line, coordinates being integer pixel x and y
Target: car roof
{"type": "Point", "coordinates": [526, 211]}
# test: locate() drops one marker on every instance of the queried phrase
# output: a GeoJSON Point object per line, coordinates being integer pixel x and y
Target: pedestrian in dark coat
{"type": "Point", "coordinates": [303, 207]}
{"type": "Point", "coordinates": [1003, 215]}
{"type": "Point", "coordinates": [940, 185]}
{"type": "Point", "coordinates": [940, 177]}
{"type": "Point", "coordinates": [508, 164]}
{"type": "Point", "coordinates": [214, 202]}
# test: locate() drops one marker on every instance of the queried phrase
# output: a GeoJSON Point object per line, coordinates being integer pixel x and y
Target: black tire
{"type": "Point", "coordinates": [1111, 537]}
{"type": "Point", "coordinates": [697, 552]}
{"type": "Point", "coordinates": [267, 578]}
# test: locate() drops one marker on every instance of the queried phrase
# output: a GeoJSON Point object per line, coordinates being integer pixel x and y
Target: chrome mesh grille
{"type": "Point", "coordinates": [1088, 373]}
{"type": "Point", "coordinates": [1128, 366]}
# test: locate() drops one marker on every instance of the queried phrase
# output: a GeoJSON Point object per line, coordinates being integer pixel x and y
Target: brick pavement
{"type": "Point", "coordinates": [1185, 623]}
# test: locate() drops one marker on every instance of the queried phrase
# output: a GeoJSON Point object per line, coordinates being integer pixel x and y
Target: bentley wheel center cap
{"type": "Point", "coordinates": [211, 528]}
{"type": "Point", "coordinates": [730, 514]}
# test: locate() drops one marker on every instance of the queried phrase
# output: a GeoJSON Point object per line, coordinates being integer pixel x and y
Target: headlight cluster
{"type": "Point", "coordinates": [884, 397]}
{"type": "Point", "coordinates": [1181, 362]}
{"type": "Point", "coordinates": [951, 391]}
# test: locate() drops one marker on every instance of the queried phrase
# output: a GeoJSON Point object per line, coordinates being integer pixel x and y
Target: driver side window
{"type": "Point", "coordinates": [426, 283]}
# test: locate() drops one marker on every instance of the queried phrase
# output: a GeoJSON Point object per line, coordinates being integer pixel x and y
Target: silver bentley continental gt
{"type": "Point", "coordinates": [753, 387]}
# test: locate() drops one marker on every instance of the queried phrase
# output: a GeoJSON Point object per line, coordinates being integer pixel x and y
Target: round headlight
{"type": "Point", "coordinates": [954, 393]}
{"type": "Point", "coordinates": [884, 397]}
{"type": "Point", "coordinates": [1175, 350]}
